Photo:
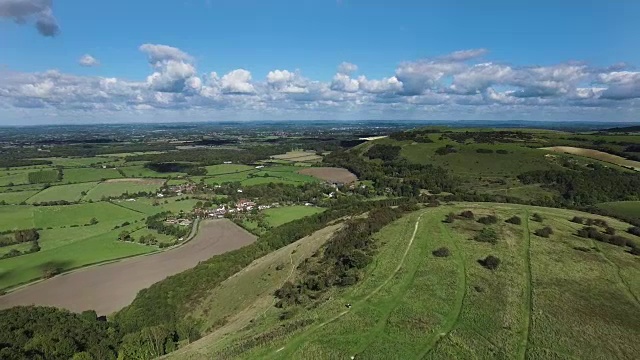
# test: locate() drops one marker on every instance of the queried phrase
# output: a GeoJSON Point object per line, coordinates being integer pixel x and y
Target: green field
{"type": "Point", "coordinates": [90, 250]}
{"type": "Point", "coordinates": [16, 177]}
{"type": "Point", "coordinates": [227, 169]}
{"type": "Point", "coordinates": [623, 208]}
{"type": "Point", "coordinates": [65, 239]}
{"type": "Point", "coordinates": [15, 217]}
{"type": "Point", "coordinates": [69, 192]}
{"type": "Point", "coordinates": [251, 176]}
{"type": "Point", "coordinates": [78, 175]}
{"type": "Point", "coordinates": [546, 300]}
{"type": "Point", "coordinates": [117, 188]}
{"type": "Point", "coordinates": [16, 197]}
{"type": "Point", "coordinates": [154, 206]}
{"type": "Point", "coordinates": [278, 216]}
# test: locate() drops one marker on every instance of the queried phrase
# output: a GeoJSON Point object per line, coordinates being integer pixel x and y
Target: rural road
{"type": "Point", "coordinates": [110, 287]}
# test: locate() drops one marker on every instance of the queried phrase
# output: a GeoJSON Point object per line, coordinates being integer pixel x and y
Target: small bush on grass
{"type": "Point", "coordinates": [488, 220]}
{"type": "Point", "coordinates": [488, 235]}
{"type": "Point", "coordinates": [490, 262]}
{"type": "Point", "coordinates": [537, 217]}
{"type": "Point", "coordinates": [635, 230]}
{"type": "Point", "coordinates": [467, 214]}
{"type": "Point", "coordinates": [545, 232]}
{"type": "Point", "coordinates": [514, 220]}
{"type": "Point", "coordinates": [441, 252]}
{"type": "Point", "coordinates": [578, 220]}
{"type": "Point", "coordinates": [451, 217]}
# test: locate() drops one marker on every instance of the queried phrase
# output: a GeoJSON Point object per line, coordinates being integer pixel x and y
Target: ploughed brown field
{"type": "Point", "coordinates": [331, 174]}
{"type": "Point", "coordinates": [110, 287]}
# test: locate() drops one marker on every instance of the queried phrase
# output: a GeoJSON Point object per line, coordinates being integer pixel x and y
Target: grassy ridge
{"type": "Point", "coordinates": [546, 299]}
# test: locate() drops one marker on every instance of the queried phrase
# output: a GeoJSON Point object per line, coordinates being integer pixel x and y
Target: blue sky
{"type": "Point", "coordinates": [539, 60]}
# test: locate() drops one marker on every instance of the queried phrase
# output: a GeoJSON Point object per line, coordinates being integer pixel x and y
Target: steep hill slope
{"type": "Point", "coordinates": [561, 296]}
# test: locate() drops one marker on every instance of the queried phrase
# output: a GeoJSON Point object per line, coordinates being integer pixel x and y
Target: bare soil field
{"type": "Point", "coordinates": [137, 181]}
{"type": "Point", "coordinates": [330, 174]}
{"type": "Point", "coordinates": [595, 154]}
{"type": "Point", "coordinates": [110, 287]}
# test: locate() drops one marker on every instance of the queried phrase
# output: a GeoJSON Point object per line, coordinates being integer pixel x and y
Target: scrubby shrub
{"type": "Point", "coordinates": [488, 235]}
{"type": "Point", "coordinates": [449, 149]}
{"type": "Point", "coordinates": [502, 152]}
{"type": "Point", "coordinates": [597, 222]}
{"type": "Point", "coordinates": [578, 220]}
{"type": "Point", "coordinates": [634, 230]}
{"type": "Point", "coordinates": [467, 214]}
{"type": "Point", "coordinates": [488, 220]}
{"type": "Point", "coordinates": [441, 252]}
{"type": "Point", "coordinates": [610, 231]}
{"type": "Point", "coordinates": [484, 151]}
{"type": "Point", "coordinates": [537, 217]}
{"type": "Point", "coordinates": [490, 262]}
{"type": "Point", "coordinates": [545, 232]}
{"type": "Point", "coordinates": [514, 220]}
{"type": "Point", "coordinates": [451, 217]}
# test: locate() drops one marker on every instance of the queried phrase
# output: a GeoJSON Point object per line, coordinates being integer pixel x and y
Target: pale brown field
{"type": "Point", "coordinates": [595, 154]}
{"type": "Point", "coordinates": [110, 287]}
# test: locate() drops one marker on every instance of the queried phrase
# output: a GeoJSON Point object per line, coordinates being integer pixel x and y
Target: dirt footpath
{"type": "Point", "coordinates": [110, 287]}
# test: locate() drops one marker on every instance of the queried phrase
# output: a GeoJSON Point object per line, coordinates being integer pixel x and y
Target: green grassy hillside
{"type": "Point", "coordinates": [553, 297]}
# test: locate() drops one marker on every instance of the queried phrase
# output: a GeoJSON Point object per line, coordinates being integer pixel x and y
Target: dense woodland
{"type": "Point", "coordinates": [586, 187]}
{"type": "Point", "coordinates": [50, 333]}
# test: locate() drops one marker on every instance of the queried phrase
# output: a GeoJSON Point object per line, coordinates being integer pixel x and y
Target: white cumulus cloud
{"type": "Point", "coordinates": [88, 61]}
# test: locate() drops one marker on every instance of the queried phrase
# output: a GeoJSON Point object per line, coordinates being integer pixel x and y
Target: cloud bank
{"type": "Point", "coordinates": [460, 85]}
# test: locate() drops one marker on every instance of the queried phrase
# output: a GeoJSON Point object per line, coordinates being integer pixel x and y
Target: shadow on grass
{"type": "Point", "coordinates": [53, 268]}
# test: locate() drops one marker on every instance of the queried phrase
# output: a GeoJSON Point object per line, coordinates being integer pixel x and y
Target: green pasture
{"type": "Point", "coordinates": [115, 189]}
{"type": "Point", "coordinates": [79, 175]}
{"type": "Point", "coordinates": [623, 208]}
{"type": "Point", "coordinates": [68, 192]}
{"type": "Point", "coordinates": [556, 297]}
{"type": "Point", "coordinates": [16, 197]}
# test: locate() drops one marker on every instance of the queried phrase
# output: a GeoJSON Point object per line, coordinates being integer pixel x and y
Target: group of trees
{"type": "Point", "coordinates": [591, 232]}
{"type": "Point", "coordinates": [45, 176]}
{"type": "Point", "coordinates": [384, 152]}
{"type": "Point", "coordinates": [342, 259]}
{"type": "Point", "coordinates": [51, 333]}
{"type": "Point", "coordinates": [419, 136]}
{"type": "Point", "coordinates": [19, 237]}
{"type": "Point", "coordinates": [204, 157]}
{"type": "Point", "coordinates": [157, 222]}
{"type": "Point", "coordinates": [586, 187]}
{"type": "Point", "coordinates": [447, 149]}
{"type": "Point", "coordinates": [169, 167]}
{"type": "Point", "coordinates": [487, 137]}
{"type": "Point", "coordinates": [399, 177]}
